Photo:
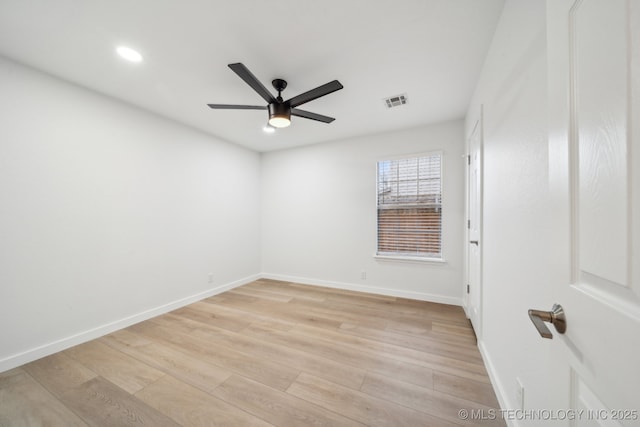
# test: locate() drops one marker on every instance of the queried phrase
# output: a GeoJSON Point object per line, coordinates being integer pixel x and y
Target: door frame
{"type": "Point", "coordinates": [477, 127]}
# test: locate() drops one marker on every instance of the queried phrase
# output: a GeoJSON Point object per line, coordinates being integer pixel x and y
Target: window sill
{"type": "Point", "coordinates": [410, 259]}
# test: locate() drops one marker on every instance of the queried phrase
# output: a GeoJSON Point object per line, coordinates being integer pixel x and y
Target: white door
{"type": "Point", "coordinates": [474, 244]}
{"type": "Point", "coordinates": [594, 177]}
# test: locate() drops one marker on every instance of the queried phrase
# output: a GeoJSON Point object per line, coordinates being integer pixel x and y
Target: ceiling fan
{"type": "Point", "coordinates": [280, 111]}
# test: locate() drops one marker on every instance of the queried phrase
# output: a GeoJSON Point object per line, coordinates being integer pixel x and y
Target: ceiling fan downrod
{"type": "Point", "coordinates": [279, 85]}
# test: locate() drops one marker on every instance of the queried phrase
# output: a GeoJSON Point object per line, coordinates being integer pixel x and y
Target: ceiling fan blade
{"type": "Point", "coordinates": [246, 75]}
{"type": "Point", "coordinates": [236, 107]}
{"type": "Point", "coordinates": [310, 115]}
{"type": "Point", "coordinates": [323, 90]}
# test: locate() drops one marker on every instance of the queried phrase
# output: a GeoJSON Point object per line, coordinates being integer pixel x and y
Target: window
{"type": "Point", "coordinates": [410, 207]}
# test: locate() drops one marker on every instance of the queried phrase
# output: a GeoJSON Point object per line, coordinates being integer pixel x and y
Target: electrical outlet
{"type": "Point", "coordinates": [363, 275]}
{"type": "Point", "coordinates": [210, 277]}
{"type": "Point", "coordinates": [519, 394]}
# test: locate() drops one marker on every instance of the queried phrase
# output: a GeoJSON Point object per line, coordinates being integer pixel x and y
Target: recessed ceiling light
{"type": "Point", "coordinates": [129, 54]}
{"type": "Point", "coordinates": [269, 129]}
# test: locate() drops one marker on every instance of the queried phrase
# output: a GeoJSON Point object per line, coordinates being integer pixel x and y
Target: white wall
{"type": "Point", "coordinates": [109, 214]}
{"type": "Point", "coordinates": [512, 89]}
{"type": "Point", "coordinates": [319, 214]}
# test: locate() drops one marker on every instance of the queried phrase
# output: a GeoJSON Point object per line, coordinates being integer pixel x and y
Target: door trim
{"type": "Point", "coordinates": [477, 127]}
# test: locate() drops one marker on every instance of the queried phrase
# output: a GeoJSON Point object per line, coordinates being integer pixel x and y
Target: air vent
{"type": "Point", "coordinates": [396, 101]}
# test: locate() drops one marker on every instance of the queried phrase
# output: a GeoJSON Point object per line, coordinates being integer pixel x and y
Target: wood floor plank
{"type": "Point", "coordinates": [277, 407]}
{"type": "Point", "coordinates": [411, 328]}
{"type": "Point", "coordinates": [178, 324]}
{"type": "Point", "coordinates": [331, 292]}
{"type": "Point", "coordinates": [369, 354]}
{"type": "Point", "coordinates": [328, 311]}
{"type": "Point", "coordinates": [247, 315]}
{"type": "Point", "coordinates": [229, 297]}
{"type": "Point", "coordinates": [300, 361]}
{"type": "Point", "coordinates": [289, 288]}
{"type": "Point", "coordinates": [438, 404]}
{"type": "Point", "coordinates": [405, 354]}
{"type": "Point", "coordinates": [358, 313]}
{"type": "Point", "coordinates": [284, 291]}
{"type": "Point", "coordinates": [385, 310]}
{"type": "Point", "coordinates": [425, 330]}
{"type": "Point", "coordinates": [207, 313]}
{"type": "Point", "coordinates": [124, 338]}
{"type": "Point", "coordinates": [189, 406]}
{"type": "Point", "coordinates": [25, 403]}
{"type": "Point", "coordinates": [265, 371]}
{"type": "Point", "coordinates": [58, 372]}
{"type": "Point", "coordinates": [297, 360]}
{"type": "Point", "coordinates": [122, 370]}
{"type": "Point", "coordinates": [346, 355]}
{"type": "Point", "coordinates": [285, 312]}
{"type": "Point", "coordinates": [261, 293]}
{"type": "Point", "coordinates": [189, 369]}
{"type": "Point", "coordinates": [450, 328]}
{"type": "Point", "coordinates": [474, 391]}
{"type": "Point", "coordinates": [423, 344]}
{"type": "Point", "coordinates": [392, 306]}
{"type": "Point", "coordinates": [102, 404]}
{"type": "Point", "coordinates": [367, 409]}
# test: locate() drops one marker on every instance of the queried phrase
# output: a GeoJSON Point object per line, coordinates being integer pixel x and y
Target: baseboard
{"type": "Point", "coordinates": [70, 341]}
{"type": "Point", "coordinates": [498, 387]}
{"type": "Point", "coordinates": [421, 296]}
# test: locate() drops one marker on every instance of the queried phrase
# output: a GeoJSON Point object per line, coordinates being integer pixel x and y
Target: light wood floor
{"type": "Point", "coordinates": [267, 353]}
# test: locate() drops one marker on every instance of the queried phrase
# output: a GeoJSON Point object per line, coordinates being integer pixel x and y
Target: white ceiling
{"type": "Point", "coordinates": [432, 50]}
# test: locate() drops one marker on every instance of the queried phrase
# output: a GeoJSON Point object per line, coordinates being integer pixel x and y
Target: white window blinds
{"type": "Point", "coordinates": [410, 207]}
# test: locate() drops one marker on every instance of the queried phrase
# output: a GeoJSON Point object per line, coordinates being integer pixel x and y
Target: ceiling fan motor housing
{"type": "Point", "coordinates": [279, 110]}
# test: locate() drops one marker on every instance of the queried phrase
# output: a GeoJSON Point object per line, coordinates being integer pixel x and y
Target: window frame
{"type": "Point", "coordinates": [399, 256]}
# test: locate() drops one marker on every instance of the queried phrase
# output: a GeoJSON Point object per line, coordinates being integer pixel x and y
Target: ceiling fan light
{"type": "Point", "coordinates": [129, 54]}
{"type": "Point", "coordinates": [279, 115]}
{"type": "Point", "coordinates": [279, 122]}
